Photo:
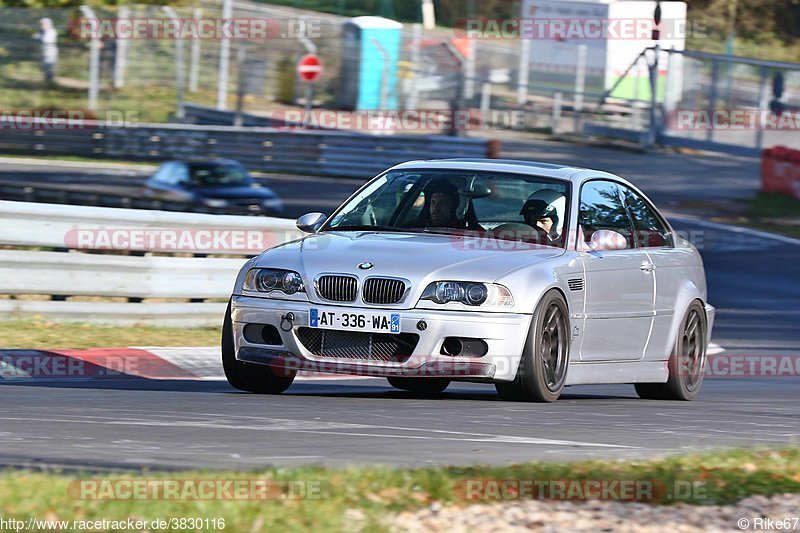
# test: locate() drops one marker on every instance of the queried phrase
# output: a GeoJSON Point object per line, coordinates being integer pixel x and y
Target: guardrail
{"type": "Point", "coordinates": [111, 254]}
{"type": "Point", "coordinates": [323, 153]}
{"type": "Point", "coordinates": [57, 193]}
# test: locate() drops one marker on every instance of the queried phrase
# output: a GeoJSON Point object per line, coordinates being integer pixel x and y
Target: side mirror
{"type": "Point", "coordinates": [605, 240]}
{"type": "Point", "coordinates": [311, 222]}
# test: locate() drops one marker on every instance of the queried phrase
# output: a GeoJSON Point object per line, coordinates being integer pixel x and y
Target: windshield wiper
{"type": "Point", "coordinates": [463, 232]}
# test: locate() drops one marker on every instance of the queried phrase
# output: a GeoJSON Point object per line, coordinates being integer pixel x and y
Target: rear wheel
{"type": "Point", "coordinates": [542, 369]}
{"type": "Point", "coordinates": [421, 386]}
{"type": "Point", "coordinates": [687, 362]}
{"type": "Point", "coordinates": [248, 376]}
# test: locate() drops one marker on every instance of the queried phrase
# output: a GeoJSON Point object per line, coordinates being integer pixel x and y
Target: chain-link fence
{"type": "Point", "coordinates": [145, 79]}
{"type": "Point", "coordinates": [710, 101]}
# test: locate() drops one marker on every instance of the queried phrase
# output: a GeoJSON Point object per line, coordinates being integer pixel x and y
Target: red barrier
{"type": "Point", "coordinates": [780, 171]}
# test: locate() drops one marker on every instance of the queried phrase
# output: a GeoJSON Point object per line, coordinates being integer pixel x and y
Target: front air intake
{"type": "Point", "coordinates": [383, 290]}
{"type": "Point", "coordinates": [337, 288]}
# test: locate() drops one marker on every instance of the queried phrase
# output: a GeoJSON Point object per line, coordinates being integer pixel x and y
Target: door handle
{"type": "Point", "coordinates": [647, 267]}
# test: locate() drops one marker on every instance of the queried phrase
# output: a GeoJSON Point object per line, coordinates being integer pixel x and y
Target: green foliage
{"type": "Point", "coordinates": [76, 3]}
{"type": "Point", "coordinates": [750, 19]}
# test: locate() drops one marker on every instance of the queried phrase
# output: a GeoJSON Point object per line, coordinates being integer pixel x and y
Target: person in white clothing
{"type": "Point", "coordinates": [48, 36]}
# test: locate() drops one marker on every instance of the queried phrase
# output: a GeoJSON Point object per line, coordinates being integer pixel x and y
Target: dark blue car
{"type": "Point", "coordinates": [221, 184]}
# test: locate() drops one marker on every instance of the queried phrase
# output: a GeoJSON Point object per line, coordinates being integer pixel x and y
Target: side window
{"type": "Point", "coordinates": [650, 231]}
{"type": "Point", "coordinates": [601, 208]}
{"type": "Point", "coordinates": [162, 174]}
{"type": "Point", "coordinates": [171, 173]}
{"type": "Point", "coordinates": [180, 174]}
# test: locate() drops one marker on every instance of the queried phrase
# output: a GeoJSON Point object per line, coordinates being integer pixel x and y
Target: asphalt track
{"type": "Point", "coordinates": [180, 424]}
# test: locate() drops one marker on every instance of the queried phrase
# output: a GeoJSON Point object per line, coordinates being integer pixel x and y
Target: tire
{"type": "Point", "coordinates": [686, 363]}
{"type": "Point", "coordinates": [248, 377]}
{"type": "Point", "coordinates": [543, 367]}
{"type": "Point", "coordinates": [421, 386]}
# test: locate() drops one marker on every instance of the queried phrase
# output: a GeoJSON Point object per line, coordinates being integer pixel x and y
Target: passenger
{"type": "Point", "coordinates": [541, 210]}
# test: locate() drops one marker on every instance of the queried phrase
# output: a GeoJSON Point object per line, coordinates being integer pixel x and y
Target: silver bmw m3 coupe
{"type": "Point", "coordinates": [530, 276]}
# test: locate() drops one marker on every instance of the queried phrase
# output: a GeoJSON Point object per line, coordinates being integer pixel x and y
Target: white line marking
{"type": "Point", "coordinates": [296, 426]}
{"type": "Point", "coordinates": [736, 229]}
{"type": "Point", "coordinates": [99, 165]}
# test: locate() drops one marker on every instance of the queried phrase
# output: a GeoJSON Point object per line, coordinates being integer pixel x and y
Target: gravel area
{"type": "Point", "coordinates": [558, 516]}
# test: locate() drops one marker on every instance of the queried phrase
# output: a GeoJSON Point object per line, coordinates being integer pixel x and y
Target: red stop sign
{"type": "Point", "coordinates": [309, 67]}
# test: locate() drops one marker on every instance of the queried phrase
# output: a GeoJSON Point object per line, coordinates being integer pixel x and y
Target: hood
{"type": "Point", "coordinates": [227, 192]}
{"type": "Point", "coordinates": [420, 258]}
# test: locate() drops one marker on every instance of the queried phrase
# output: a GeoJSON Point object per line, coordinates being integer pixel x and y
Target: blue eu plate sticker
{"type": "Point", "coordinates": [313, 318]}
{"type": "Point", "coordinates": [395, 327]}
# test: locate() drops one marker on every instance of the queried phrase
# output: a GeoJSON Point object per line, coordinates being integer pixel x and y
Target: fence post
{"type": "Point", "coordinates": [224, 60]}
{"type": "Point", "coordinates": [524, 71]}
{"type": "Point", "coordinates": [416, 40]}
{"type": "Point", "coordinates": [94, 61]}
{"type": "Point", "coordinates": [557, 97]}
{"type": "Point", "coordinates": [469, 72]}
{"type": "Point", "coordinates": [712, 97]}
{"type": "Point", "coordinates": [486, 102]}
{"type": "Point", "coordinates": [121, 58]}
{"type": "Point", "coordinates": [763, 104]}
{"type": "Point", "coordinates": [179, 77]}
{"type": "Point", "coordinates": [652, 132]}
{"type": "Point", "coordinates": [194, 67]}
{"type": "Point", "coordinates": [580, 82]}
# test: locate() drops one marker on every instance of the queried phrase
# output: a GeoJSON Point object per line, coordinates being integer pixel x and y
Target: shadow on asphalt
{"type": "Point", "coordinates": [356, 389]}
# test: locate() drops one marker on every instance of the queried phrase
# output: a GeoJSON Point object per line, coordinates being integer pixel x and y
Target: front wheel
{"type": "Point", "coordinates": [248, 377]}
{"type": "Point", "coordinates": [686, 363]}
{"type": "Point", "coordinates": [542, 370]}
{"type": "Point", "coordinates": [421, 386]}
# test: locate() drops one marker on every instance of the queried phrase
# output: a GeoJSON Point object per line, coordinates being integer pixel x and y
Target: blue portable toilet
{"type": "Point", "coordinates": [370, 52]}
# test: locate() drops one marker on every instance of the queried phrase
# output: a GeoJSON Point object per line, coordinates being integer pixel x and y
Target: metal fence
{"type": "Point", "coordinates": [719, 103]}
{"type": "Point", "coordinates": [436, 70]}
{"type": "Point", "coordinates": [143, 75]}
{"type": "Point", "coordinates": [69, 277]}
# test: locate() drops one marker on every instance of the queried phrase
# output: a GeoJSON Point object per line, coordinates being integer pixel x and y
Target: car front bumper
{"type": "Point", "coordinates": [504, 334]}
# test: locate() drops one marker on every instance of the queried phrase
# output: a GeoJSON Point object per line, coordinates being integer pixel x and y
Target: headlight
{"type": "Point", "coordinates": [273, 279]}
{"type": "Point", "coordinates": [215, 202]}
{"type": "Point", "coordinates": [468, 293]}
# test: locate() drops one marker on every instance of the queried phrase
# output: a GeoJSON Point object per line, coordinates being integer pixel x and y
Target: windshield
{"type": "Point", "coordinates": [497, 205]}
{"type": "Point", "coordinates": [216, 174]}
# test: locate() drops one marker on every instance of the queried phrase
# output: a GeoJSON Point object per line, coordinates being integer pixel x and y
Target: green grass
{"type": "Point", "coordinates": [41, 334]}
{"type": "Point", "coordinates": [774, 212]}
{"type": "Point", "coordinates": [372, 493]}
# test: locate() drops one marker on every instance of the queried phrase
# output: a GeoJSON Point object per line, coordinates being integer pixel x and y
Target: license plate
{"type": "Point", "coordinates": [354, 321]}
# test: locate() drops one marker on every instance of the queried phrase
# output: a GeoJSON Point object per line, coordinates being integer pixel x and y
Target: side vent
{"type": "Point", "coordinates": [575, 284]}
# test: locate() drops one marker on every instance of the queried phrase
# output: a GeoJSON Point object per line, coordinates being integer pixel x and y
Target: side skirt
{"type": "Point", "coordinates": [617, 372]}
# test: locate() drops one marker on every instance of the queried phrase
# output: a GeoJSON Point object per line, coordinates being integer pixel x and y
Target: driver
{"type": "Point", "coordinates": [439, 210]}
{"type": "Point", "coordinates": [541, 210]}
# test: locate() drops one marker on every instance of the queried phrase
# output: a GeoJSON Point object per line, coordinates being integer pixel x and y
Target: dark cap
{"type": "Point", "coordinates": [536, 209]}
{"type": "Point", "coordinates": [441, 185]}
